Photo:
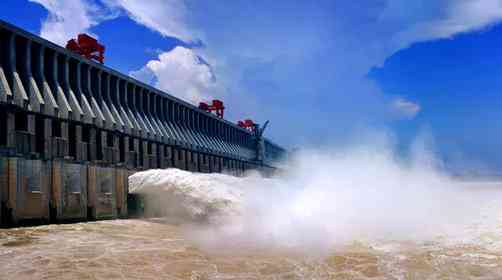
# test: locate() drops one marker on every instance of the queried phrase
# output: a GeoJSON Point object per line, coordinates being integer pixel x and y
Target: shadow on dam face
{"type": "Point", "coordinates": [135, 205]}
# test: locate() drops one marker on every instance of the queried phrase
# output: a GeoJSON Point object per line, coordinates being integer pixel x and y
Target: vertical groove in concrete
{"type": "Point", "coordinates": [123, 107]}
{"type": "Point", "coordinates": [131, 108]}
{"type": "Point", "coordinates": [174, 110]}
{"type": "Point", "coordinates": [92, 95]}
{"type": "Point", "coordinates": [147, 119]}
{"type": "Point", "coordinates": [50, 106]}
{"type": "Point", "coordinates": [36, 100]}
{"type": "Point", "coordinates": [80, 147]}
{"type": "Point", "coordinates": [136, 107]}
{"type": "Point", "coordinates": [155, 116]}
{"type": "Point", "coordinates": [168, 137]}
{"type": "Point", "coordinates": [112, 98]}
{"type": "Point", "coordinates": [77, 112]}
{"type": "Point", "coordinates": [64, 107]}
{"type": "Point", "coordinates": [184, 124]}
{"type": "Point", "coordinates": [147, 114]}
{"type": "Point", "coordinates": [92, 144]}
{"type": "Point", "coordinates": [103, 91]}
{"type": "Point", "coordinates": [168, 120]}
{"type": "Point", "coordinates": [200, 125]}
{"type": "Point", "coordinates": [194, 138]}
{"type": "Point", "coordinates": [83, 88]}
{"type": "Point", "coordinates": [19, 93]}
{"type": "Point", "coordinates": [136, 150]}
{"type": "Point", "coordinates": [5, 72]}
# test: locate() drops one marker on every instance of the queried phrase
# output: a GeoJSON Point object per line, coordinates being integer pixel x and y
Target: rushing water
{"type": "Point", "coordinates": [151, 249]}
{"type": "Point", "coordinates": [361, 214]}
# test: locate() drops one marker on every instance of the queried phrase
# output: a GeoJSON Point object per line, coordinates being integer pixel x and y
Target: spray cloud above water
{"type": "Point", "coordinates": [323, 199]}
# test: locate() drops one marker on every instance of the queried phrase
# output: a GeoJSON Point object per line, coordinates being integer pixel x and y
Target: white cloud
{"type": "Point", "coordinates": [164, 16]}
{"type": "Point", "coordinates": [181, 73]}
{"type": "Point", "coordinates": [404, 109]}
{"type": "Point", "coordinates": [404, 23]}
{"type": "Point", "coordinates": [430, 20]}
{"type": "Point", "coordinates": [68, 18]}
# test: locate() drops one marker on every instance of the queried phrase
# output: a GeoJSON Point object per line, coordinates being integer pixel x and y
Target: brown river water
{"type": "Point", "coordinates": [152, 249]}
{"type": "Point", "coordinates": [388, 222]}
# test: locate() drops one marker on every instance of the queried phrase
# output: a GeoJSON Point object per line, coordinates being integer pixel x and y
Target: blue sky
{"type": "Point", "coordinates": [319, 70]}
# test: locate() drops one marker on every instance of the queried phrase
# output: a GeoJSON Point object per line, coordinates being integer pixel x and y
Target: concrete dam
{"type": "Point", "coordinates": [73, 130]}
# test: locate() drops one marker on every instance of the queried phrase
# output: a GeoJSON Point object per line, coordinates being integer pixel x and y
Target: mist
{"type": "Point", "coordinates": [363, 192]}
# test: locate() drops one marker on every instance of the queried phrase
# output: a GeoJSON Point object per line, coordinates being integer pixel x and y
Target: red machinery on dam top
{"type": "Point", "coordinates": [87, 47]}
{"type": "Point", "coordinates": [216, 106]}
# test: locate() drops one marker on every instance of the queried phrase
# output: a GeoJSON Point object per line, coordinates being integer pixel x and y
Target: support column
{"type": "Point", "coordinates": [212, 168]}
{"type": "Point", "coordinates": [167, 156]}
{"type": "Point", "coordinates": [103, 147]}
{"type": "Point", "coordinates": [180, 159]}
{"type": "Point", "coordinates": [81, 152]}
{"type": "Point", "coordinates": [204, 163]}
{"type": "Point", "coordinates": [145, 155]}
{"type": "Point", "coordinates": [11, 130]}
{"type": "Point", "coordinates": [5, 77]}
{"type": "Point", "coordinates": [152, 163]}
{"type": "Point", "coordinates": [116, 149]}
{"type": "Point", "coordinates": [196, 161]}
{"type": "Point", "coordinates": [126, 151]}
{"type": "Point", "coordinates": [93, 152]}
{"type": "Point", "coordinates": [63, 150]}
{"type": "Point", "coordinates": [30, 136]}
{"type": "Point", "coordinates": [20, 97]}
{"type": "Point", "coordinates": [47, 138]}
{"type": "Point", "coordinates": [161, 153]}
{"type": "Point", "coordinates": [192, 161]}
{"type": "Point", "coordinates": [136, 144]}
{"type": "Point", "coordinates": [50, 106]}
{"type": "Point", "coordinates": [216, 164]}
{"type": "Point", "coordinates": [4, 189]}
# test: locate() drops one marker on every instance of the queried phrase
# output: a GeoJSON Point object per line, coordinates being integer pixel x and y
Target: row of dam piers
{"type": "Point", "coordinates": [73, 130]}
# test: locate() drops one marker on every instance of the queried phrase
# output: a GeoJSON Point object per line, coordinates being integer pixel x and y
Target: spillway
{"type": "Point", "coordinates": [72, 131]}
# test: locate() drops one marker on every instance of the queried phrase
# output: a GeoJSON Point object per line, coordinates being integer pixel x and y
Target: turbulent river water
{"type": "Point", "coordinates": [356, 215]}
{"type": "Point", "coordinates": [152, 249]}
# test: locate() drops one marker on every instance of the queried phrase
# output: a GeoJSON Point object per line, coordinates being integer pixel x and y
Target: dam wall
{"type": "Point", "coordinates": [73, 130]}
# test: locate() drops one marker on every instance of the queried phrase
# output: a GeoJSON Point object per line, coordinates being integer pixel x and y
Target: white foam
{"type": "Point", "coordinates": [188, 197]}
{"type": "Point", "coordinates": [361, 193]}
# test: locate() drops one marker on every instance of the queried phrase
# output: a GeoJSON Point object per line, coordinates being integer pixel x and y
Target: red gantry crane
{"type": "Point", "coordinates": [88, 47]}
{"type": "Point", "coordinates": [248, 124]}
{"type": "Point", "coordinates": [216, 106]}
